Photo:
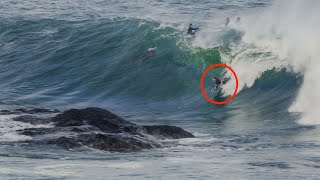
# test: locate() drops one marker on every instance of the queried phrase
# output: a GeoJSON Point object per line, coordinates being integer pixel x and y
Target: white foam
{"type": "Point", "coordinates": [290, 29]}
{"type": "Point", "coordinates": [127, 165]}
{"type": "Point", "coordinates": [8, 129]}
{"type": "Point", "coordinates": [197, 141]}
{"type": "Point", "coordinates": [248, 68]}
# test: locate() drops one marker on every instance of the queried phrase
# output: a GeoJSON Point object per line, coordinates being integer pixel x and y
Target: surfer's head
{"type": "Point", "coordinates": [190, 25]}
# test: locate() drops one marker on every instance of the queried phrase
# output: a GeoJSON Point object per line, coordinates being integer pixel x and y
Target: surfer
{"type": "Point", "coordinates": [218, 83]}
{"type": "Point", "coordinates": [238, 20]}
{"type": "Point", "coordinates": [191, 30]}
{"type": "Point", "coordinates": [238, 23]}
{"type": "Point", "coordinates": [227, 22]}
{"type": "Point", "coordinates": [151, 52]}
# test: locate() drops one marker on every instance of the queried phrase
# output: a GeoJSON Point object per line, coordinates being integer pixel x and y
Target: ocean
{"type": "Point", "coordinates": [75, 54]}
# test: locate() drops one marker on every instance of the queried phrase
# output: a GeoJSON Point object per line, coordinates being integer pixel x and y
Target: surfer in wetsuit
{"type": "Point", "coordinates": [238, 20]}
{"type": "Point", "coordinates": [217, 82]}
{"type": "Point", "coordinates": [191, 29]}
{"type": "Point", "coordinates": [227, 22]}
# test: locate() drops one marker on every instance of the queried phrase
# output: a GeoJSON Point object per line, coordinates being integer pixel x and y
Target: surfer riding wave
{"type": "Point", "coordinates": [218, 82]}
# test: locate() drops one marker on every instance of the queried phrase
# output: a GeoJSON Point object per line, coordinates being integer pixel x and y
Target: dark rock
{"type": "Point", "coordinates": [67, 143]}
{"type": "Point", "coordinates": [114, 143]}
{"type": "Point", "coordinates": [5, 112]}
{"type": "Point", "coordinates": [103, 119]}
{"type": "Point", "coordinates": [165, 131]}
{"type": "Point", "coordinates": [104, 142]}
{"type": "Point", "coordinates": [37, 131]}
{"type": "Point", "coordinates": [32, 119]}
{"type": "Point", "coordinates": [79, 130]}
{"type": "Point", "coordinates": [100, 129]}
{"type": "Point", "coordinates": [84, 129]}
{"type": "Point", "coordinates": [71, 122]}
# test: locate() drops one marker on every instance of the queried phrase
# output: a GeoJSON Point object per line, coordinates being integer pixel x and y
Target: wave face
{"type": "Point", "coordinates": [107, 62]}
{"type": "Point", "coordinates": [61, 62]}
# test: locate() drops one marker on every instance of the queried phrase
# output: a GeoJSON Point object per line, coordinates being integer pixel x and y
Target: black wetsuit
{"type": "Point", "coordinates": [191, 29]}
{"type": "Point", "coordinates": [218, 82]}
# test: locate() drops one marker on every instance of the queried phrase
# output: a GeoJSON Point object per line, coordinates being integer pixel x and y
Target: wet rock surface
{"type": "Point", "coordinates": [96, 128]}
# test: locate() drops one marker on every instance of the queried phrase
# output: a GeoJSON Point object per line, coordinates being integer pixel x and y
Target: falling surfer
{"type": "Point", "coordinates": [192, 30]}
{"type": "Point", "coordinates": [218, 82]}
{"type": "Point", "coordinates": [227, 22]}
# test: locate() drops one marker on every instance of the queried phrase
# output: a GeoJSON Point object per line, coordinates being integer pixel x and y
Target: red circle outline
{"type": "Point", "coordinates": [202, 82]}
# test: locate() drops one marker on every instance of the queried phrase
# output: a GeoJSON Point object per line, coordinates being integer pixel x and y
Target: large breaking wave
{"type": "Point", "coordinates": [62, 63]}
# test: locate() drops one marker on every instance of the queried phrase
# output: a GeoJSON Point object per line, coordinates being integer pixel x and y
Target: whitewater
{"type": "Point", "coordinates": [75, 54]}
